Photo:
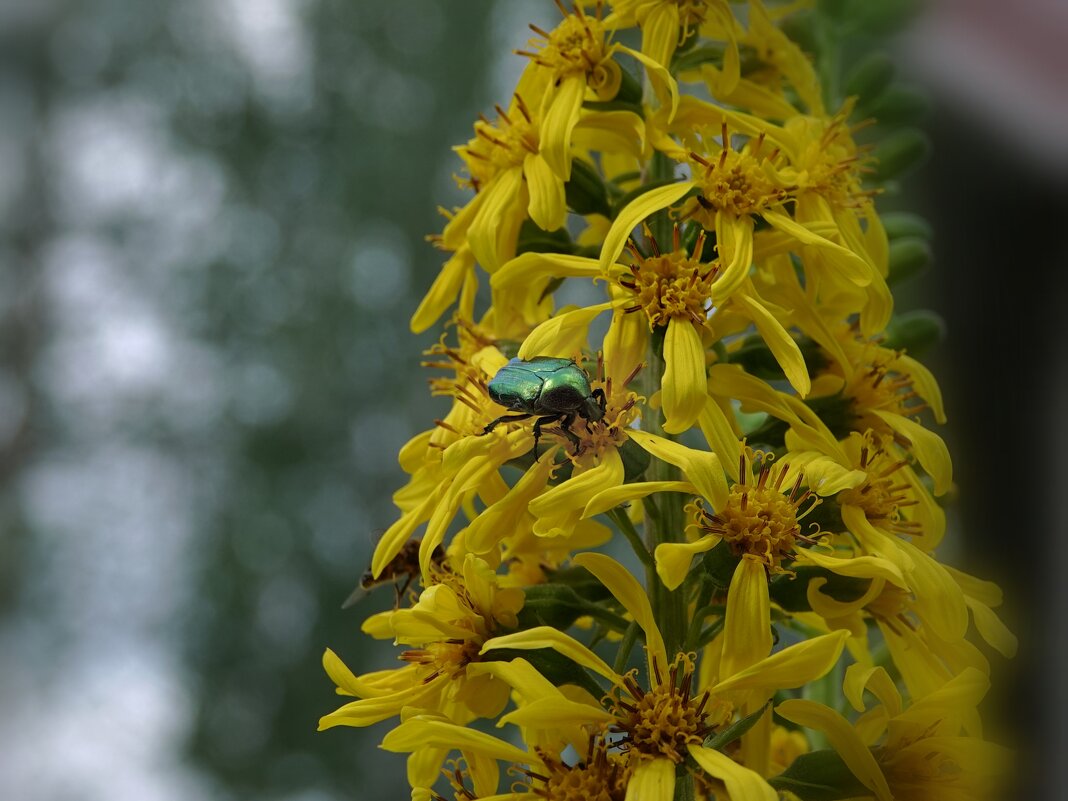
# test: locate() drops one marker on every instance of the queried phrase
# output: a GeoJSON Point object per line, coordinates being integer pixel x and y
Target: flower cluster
{"type": "Point", "coordinates": [749, 432]}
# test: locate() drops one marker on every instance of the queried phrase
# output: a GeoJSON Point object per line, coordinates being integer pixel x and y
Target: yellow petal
{"type": "Point", "coordinates": [637, 210]}
{"type": "Point", "coordinates": [652, 780]}
{"type": "Point", "coordinates": [547, 206]}
{"type": "Point", "coordinates": [528, 269]}
{"type": "Point", "coordinates": [735, 235]}
{"type": "Point", "coordinates": [629, 592]}
{"type": "Point", "coordinates": [673, 559]}
{"type": "Point", "coordinates": [546, 637]}
{"type": "Point", "coordinates": [702, 468]}
{"type": "Point", "coordinates": [548, 713]}
{"type": "Point", "coordinates": [611, 498]}
{"type": "Point", "coordinates": [843, 739]}
{"type": "Point", "coordinates": [562, 335]}
{"type": "Point", "coordinates": [790, 667]}
{"type": "Point", "coordinates": [559, 120]}
{"type": "Point", "coordinates": [625, 344]}
{"type": "Point", "coordinates": [720, 436]}
{"type": "Point", "coordinates": [684, 382]}
{"type": "Point", "coordinates": [578, 490]}
{"type": "Point", "coordinates": [854, 268]}
{"type": "Point", "coordinates": [782, 345]}
{"type": "Point", "coordinates": [499, 520]}
{"type": "Point", "coordinates": [856, 566]}
{"type": "Point", "coordinates": [444, 291]}
{"type": "Point", "coordinates": [662, 81]}
{"type": "Point", "coordinates": [928, 448]}
{"type": "Point", "coordinates": [610, 132]}
{"type": "Point", "coordinates": [660, 32]}
{"type": "Point", "coordinates": [747, 628]}
{"type": "Point", "coordinates": [924, 383]}
{"type": "Point", "coordinates": [484, 235]}
{"type": "Point", "coordinates": [872, 677]}
{"type": "Point", "coordinates": [742, 784]}
{"type": "Point", "coordinates": [374, 710]}
{"type": "Point", "coordinates": [426, 732]}
{"type": "Point", "coordinates": [938, 596]}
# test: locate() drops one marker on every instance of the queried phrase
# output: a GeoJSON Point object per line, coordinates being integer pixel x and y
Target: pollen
{"type": "Point", "coordinates": [831, 163]}
{"type": "Point", "coordinates": [670, 285]}
{"type": "Point", "coordinates": [598, 436]}
{"type": "Point", "coordinates": [662, 721]}
{"type": "Point", "coordinates": [446, 657]}
{"type": "Point", "coordinates": [738, 182]}
{"type": "Point", "coordinates": [464, 380]}
{"type": "Point", "coordinates": [577, 46]}
{"type": "Point", "coordinates": [879, 384]}
{"type": "Point", "coordinates": [601, 777]}
{"type": "Point", "coordinates": [761, 517]}
{"type": "Point", "coordinates": [499, 144]}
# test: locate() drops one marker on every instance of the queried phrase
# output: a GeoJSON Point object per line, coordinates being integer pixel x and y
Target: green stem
{"type": "Point", "coordinates": [630, 636]}
{"type": "Point", "coordinates": [626, 527]}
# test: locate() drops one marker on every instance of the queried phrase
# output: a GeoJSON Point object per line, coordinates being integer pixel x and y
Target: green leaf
{"type": "Point", "coordinates": [899, 152]}
{"type": "Point", "coordinates": [718, 565]}
{"type": "Point", "coordinates": [898, 106]}
{"type": "Point", "coordinates": [586, 192]}
{"type": "Point", "coordinates": [722, 739]}
{"type": "Point", "coordinates": [916, 332]}
{"type": "Point", "coordinates": [909, 256]}
{"type": "Point", "coordinates": [820, 776]}
{"type": "Point", "coordinates": [905, 223]}
{"type": "Point", "coordinates": [870, 77]}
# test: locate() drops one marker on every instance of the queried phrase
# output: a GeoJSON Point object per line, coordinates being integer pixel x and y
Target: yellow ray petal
{"type": "Point", "coordinates": [546, 637]}
{"type": "Point", "coordinates": [702, 468]}
{"type": "Point", "coordinates": [747, 628]}
{"type": "Point", "coordinates": [991, 629]}
{"type": "Point", "coordinates": [720, 436]}
{"type": "Point", "coordinates": [872, 677]}
{"type": "Point", "coordinates": [427, 732]}
{"type": "Point", "coordinates": [854, 268]}
{"type": "Point", "coordinates": [664, 84]}
{"type": "Point", "coordinates": [684, 383]}
{"type": "Point", "coordinates": [578, 490]}
{"type": "Point", "coordinates": [929, 449]}
{"type": "Point", "coordinates": [652, 780]}
{"type": "Point", "coordinates": [547, 206]}
{"type": "Point", "coordinates": [938, 596]}
{"type": "Point", "coordinates": [553, 712]}
{"type": "Point", "coordinates": [610, 132]}
{"type": "Point", "coordinates": [625, 344]}
{"type": "Point", "coordinates": [444, 291]}
{"type": "Point", "coordinates": [856, 566]}
{"type": "Point", "coordinates": [790, 667]}
{"type": "Point", "coordinates": [925, 384]}
{"type": "Point", "coordinates": [529, 268]}
{"type": "Point", "coordinates": [634, 598]}
{"type": "Point", "coordinates": [503, 517]}
{"type": "Point", "coordinates": [735, 235]}
{"type": "Point", "coordinates": [637, 210]}
{"type": "Point", "coordinates": [843, 738]}
{"type": "Point", "coordinates": [782, 345]}
{"type": "Point", "coordinates": [742, 784]}
{"type": "Point", "coordinates": [610, 498]}
{"type": "Point", "coordinates": [673, 559]}
{"type": "Point", "coordinates": [484, 234]}
{"type": "Point", "coordinates": [374, 710]}
{"type": "Point", "coordinates": [562, 335]}
{"type": "Point", "coordinates": [559, 120]}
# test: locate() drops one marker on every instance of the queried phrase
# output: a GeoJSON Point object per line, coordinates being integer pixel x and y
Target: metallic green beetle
{"type": "Point", "coordinates": [553, 390]}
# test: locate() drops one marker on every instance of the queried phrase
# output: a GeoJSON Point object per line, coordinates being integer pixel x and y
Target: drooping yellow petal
{"type": "Point", "coordinates": [573, 495]}
{"type": "Point", "coordinates": [652, 780]}
{"type": "Point", "coordinates": [663, 83]}
{"type": "Point", "coordinates": [843, 738]}
{"type": "Point", "coordinates": [991, 629]}
{"type": "Point", "coordinates": [702, 468]}
{"type": "Point", "coordinates": [611, 498]}
{"type": "Point", "coordinates": [660, 32]}
{"type": "Point", "coordinates": [503, 517]}
{"type": "Point", "coordinates": [857, 566]}
{"type": "Point", "coordinates": [634, 598]}
{"type": "Point", "coordinates": [929, 449]}
{"type": "Point", "coordinates": [484, 234]}
{"type": "Point", "coordinates": [735, 237]}
{"type": "Point", "coordinates": [747, 628]}
{"type": "Point", "coordinates": [742, 783]}
{"type": "Point", "coordinates": [783, 346]}
{"type": "Point", "coordinates": [559, 120]}
{"type": "Point", "coordinates": [684, 382]}
{"type": "Point", "coordinates": [790, 667]}
{"type": "Point", "coordinates": [546, 637]}
{"type": "Point", "coordinates": [374, 710]}
{"type": "Point", "coordinates": [610, 132]}
{"type": "Point", "coordinates": [429, 732]}
{"type": "Point", "coordinates": [673, 559]}
{"type": "Point", "coordinates": [444, 291]}
{"type": "Point", "coordinates": [625, 344]}
{"type": "Point", "coordinates": [720, 436]}
{"type": "Point", "coordinates": [854, 268]}
{"type": "Point", "coordinates": [546, 713]}
{"type": "Point", "coordinates": [875, 678]}
{"type": "Point", "coordinates": [527, 269]}
{"type": "Point", "coordinates": [939, 597]}
{"type": "Point", "coordinates": [547, 206]}
{"type": "Point", "coordinates": [562, 335]}
{"type": "Point", "coordinates": [637, 210]}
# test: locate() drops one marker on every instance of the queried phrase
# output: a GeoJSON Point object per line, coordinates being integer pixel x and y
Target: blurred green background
{"type": "Point", "coordinates": [211, 239]}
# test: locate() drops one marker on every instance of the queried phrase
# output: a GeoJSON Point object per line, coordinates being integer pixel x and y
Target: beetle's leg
{"type": "Point", "coordinates": [505, 418]}
{"type": "Point", "coordinates": [549, 418]}
{"type": "Point", "coordinates": [565, 427]}
{"type": "Point", "coordinates": [602, 401]}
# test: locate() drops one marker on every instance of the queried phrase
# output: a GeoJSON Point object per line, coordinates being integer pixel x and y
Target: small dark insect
{"type": "Point", "coordinates": [553, 390]}
{"type": "Point", "coordinates": [405, 565]}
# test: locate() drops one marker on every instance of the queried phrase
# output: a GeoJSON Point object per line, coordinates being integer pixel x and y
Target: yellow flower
{"type": "Point", "coordinates": [448, 626]}
{"type": "Point", "coordinates": [665, 721]}
{"type": "Point", "coordinates": [929, 751]}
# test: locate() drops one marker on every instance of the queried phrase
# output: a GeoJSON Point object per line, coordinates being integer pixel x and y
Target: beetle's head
{"type": "Point", "coordinates": [592, 410]}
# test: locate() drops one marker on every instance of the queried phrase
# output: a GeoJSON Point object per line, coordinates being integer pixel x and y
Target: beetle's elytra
{"type": "Point", "coordinates": [551, 389]}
